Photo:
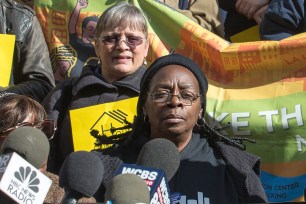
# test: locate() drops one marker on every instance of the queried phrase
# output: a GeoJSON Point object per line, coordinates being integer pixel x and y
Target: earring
{"type": "Point", "coordinates": [145, 61]}
{"type": "Point", "coordinates": [144, 118]}
{"type": "Point", "coordinates": [200, 122]}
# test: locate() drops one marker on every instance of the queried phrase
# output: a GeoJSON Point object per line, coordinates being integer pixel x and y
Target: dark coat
{"type": "Point", "coordinates": [32, 74]}
{"type": "Point", "coordinates": [283, 19]}
{"type": "Point", "coordinates": [234, 22]}
{"type": "Point", "coordinates": [87, 90]}
{"type": "Point", "coordinates": [239, 170]}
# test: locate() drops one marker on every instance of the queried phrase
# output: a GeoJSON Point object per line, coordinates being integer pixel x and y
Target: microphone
{"type": "Point", "coordinates": [24, 151]}
{"type": "Point", "coordinates": [30, 143]}
{"type": "Point", "coordinates": [81, 175]}
{"type": "Point", "coordinates": [155, 156]}
{"type": "Point", "coordinates": [127, 189]}
{"type": "Point", "coordinates": [162, 154]}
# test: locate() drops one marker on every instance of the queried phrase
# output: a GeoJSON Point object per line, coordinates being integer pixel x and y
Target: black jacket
{"type": "Point", "coordinates": [32, 74]}
{"type": "Point", "coordinates": [87, 90]}
{"type": "Point", "coordinates": [220, 173]}
{"type": "Point", "coordinates": [234, 22]}
{"type": "Point", "coordinates": [203, 169]}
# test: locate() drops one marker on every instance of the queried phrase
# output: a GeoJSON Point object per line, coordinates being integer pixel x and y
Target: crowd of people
{"type": "Point", "coordinates": [172, 94]}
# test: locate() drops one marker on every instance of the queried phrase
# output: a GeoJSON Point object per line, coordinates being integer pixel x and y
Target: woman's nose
{"type": "Point", "coordinates": [122, 45]}
{"type": "Point", "coordinates": [174, 100]}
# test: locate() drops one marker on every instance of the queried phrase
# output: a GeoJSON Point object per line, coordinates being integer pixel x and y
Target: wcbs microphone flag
{"type": "Point", "coordinates": [155, 179]}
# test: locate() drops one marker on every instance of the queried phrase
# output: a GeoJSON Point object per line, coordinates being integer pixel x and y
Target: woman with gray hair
{"type": "Point", "coordinates": [121, 45]}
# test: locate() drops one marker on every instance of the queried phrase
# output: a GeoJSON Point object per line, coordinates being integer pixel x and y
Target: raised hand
{"type": "Point", "coordinates": [258, 16]}
{"type": "Point", "coordinates": [250, 7]}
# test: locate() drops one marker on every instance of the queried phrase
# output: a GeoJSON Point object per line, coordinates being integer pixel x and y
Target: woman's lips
{"type": "Point", "coordinates": [122, 58]}
{"type": "Point", "coordinates": [173, 118]}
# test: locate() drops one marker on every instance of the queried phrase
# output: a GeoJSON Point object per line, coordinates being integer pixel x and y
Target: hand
{"type": "Point", "coordinates": [82, 3]}
{"type": "Point", "coordinates": [250, 7]}
{"type": "Point", "coordinates": [259, 15]}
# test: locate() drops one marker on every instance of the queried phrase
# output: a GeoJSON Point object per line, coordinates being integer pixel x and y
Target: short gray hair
{"type": "Point", "coordinates": [122, 15]}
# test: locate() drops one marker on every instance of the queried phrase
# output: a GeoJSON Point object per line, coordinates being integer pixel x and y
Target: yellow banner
{"type": "Point", "coordinates": [7, 43]}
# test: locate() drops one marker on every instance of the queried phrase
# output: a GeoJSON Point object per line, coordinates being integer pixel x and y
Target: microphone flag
{"type": "Point", "coordinates": [155, 179]}
{"type": "Point", "coordinates": [21, 182]}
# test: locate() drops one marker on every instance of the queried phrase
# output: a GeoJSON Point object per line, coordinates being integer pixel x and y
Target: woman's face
{"type": "Point", "coordinates": [173, 119]}
{"type": "Point", "coordinates": [119, 59]}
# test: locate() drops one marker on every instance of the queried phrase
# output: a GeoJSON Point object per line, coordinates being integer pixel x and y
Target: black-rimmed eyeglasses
{"type": "Point", "coordinates": [186, 97]}
{"type": "Point", "coordinates": [46, 126]}
{"type": "Point", "coordinates": [131, 41]}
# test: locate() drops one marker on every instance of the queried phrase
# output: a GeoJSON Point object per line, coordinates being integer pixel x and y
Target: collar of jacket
{"type": "Point", "coordinates": [92, 76]}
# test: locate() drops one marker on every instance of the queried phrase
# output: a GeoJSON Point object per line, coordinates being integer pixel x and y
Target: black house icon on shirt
{"type": "Point", "coordinates": [108, 134]}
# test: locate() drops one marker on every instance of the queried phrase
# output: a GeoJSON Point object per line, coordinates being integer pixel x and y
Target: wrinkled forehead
{"type": "Point", "coordinates": [124, 23]}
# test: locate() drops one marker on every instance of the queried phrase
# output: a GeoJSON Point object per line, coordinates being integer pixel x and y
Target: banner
{"type": "Point", "coordinates": [259, 87]}
{"type": "Point", "coordinates": [7, 43]}
{"type": "Point", "coordinates": [99, 126]}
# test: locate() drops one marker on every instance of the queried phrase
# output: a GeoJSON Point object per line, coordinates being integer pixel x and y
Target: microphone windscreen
{"type": "Point", "coordinates": [162, 154]}
{"type": "Point", "coordinates": [127, 189]}
{"type": "Point", "coordinates": [30, 143]}
{"type": "Point", "coordinates": [81, 172]}
{"type": "Point", "coordinates": [111, 164]}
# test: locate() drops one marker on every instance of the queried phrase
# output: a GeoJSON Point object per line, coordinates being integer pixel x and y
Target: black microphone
{"type": "Point", "coordinates": [81, 175]}
{"type": "Point", "coordinates": [161, 154]}
{"type": "Point", "coordinates": [127, 189]}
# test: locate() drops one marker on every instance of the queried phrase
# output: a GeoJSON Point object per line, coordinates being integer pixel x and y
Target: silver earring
{"type": "Point", "coordinates": [145, 119]}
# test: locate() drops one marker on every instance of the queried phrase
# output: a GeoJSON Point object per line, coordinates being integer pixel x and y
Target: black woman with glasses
{"type": "Point", "coordinates": [121, 44]}
{"type": "Point", "coordinates": [18, 111]}
{"type": "Point", "coordinates": [172, 105]}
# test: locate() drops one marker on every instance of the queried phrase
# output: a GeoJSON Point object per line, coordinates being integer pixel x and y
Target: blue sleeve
{"type": "Point", "coordinates": [282, 19]}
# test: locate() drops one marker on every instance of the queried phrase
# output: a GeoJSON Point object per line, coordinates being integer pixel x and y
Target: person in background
{"type": "Point", "coordinates": [242, 15]}
{"type": "Point", "coordinates": [19, 110]}
{"type": "Point", "coordinates": [31, 69]}
{"type": "Point", "coordinates": [171, 105]}
{"type": "Point", "coordinates": [205, 13]}
{"type": "Point", "coordinates": [121, 45]}
{"type": "Point", "coordinates": [283, 19]}
{"type": "Point", "coordinates": [21, 115]}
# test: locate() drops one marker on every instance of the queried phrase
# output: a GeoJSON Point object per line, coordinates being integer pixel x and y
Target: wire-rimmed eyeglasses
{"type": "Point", "coordinates": [186, 97]}
{"type": "Point", "coordinates": [131, 41]}
{"type": "Point", "coordinates": [46, 126]}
